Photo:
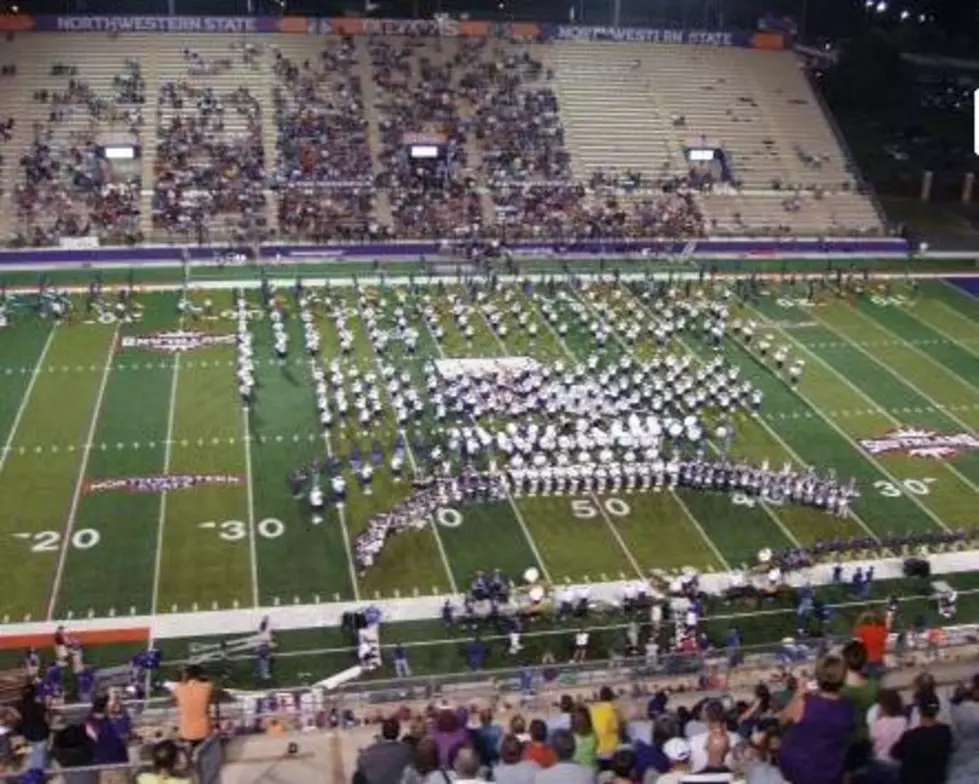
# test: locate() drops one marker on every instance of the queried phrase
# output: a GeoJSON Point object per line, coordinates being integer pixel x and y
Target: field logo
{"type": "Point", "coordinates": [172, 342]}
{"type": "Point", "coordinates": [162, 483]}
{"type": "Point", "coordinates": [915, 442]}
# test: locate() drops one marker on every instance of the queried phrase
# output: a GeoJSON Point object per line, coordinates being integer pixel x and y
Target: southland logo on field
{"type": "Point", "coordinates": [176, 341]}
{"type": "Point", "coordinates": [916, 442]}
{"type": "Point", "coordinates": [162, 483]}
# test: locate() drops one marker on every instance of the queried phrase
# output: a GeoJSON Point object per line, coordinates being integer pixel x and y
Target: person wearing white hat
{"type": "Point", "coordinates": [677, 751]}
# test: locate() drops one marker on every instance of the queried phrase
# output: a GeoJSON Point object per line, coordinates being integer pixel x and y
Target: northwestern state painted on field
{"type": "Point", "coordinates": [916, 442]}
{"type": "Point", "coordinates": [176, 341]}
{"type": "Point", "coordinates": [162, 483]}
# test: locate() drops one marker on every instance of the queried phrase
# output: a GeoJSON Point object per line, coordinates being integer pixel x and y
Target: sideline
{"type": "Point", "coordinates": [181, 625]}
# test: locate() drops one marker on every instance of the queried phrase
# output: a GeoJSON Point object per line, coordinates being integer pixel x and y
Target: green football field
{"type": "Point", "coordinates": [77, 406]}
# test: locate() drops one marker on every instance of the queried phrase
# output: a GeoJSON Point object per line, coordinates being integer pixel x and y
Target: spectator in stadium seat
{"type": "Point", "coordinates": [861, 692]}
{"type": "Point", "coordinates": [887, 723]}
{"type": "Point", "coordinates": [488, 737]}
{"type": "Point", "coordinates": [425, 767]}
{"type": "Point", "coordinates": [166, 757]}
{"type": "Point", "coordinates": [195, 696]}
{"type": "Point", "coordinates": [622, 766]}
{"type": "Point", "coordinates": [562, 719]}
{"type": "Point", "coordinates": [384, 762]}
{"type": "Point", "coordinates": [924, 684]}
{"type": "Point", "coordinates": [715, 721]}
{"type": "Point", "coordinates": [33, 726]}
{"type": "Point", "coordinates": [677, 751]}
{"type": "Point", "coordinates": [513, 768]}
{"type": "Point", "coordinates": [565, 770]}
{"type": "Point", "coordinates": [925, 751]}
{"type": "Point", "coordinates": [537, 750]}
{"type": "Point", "coordinates": [607, 723]}
{"type": "Point", "coordinates": [466, 767]}
{"type": "Point", "coordinates": [585, 742]}
{"type": "Point", "coordinates": [965, 726]}
{"type": "Point", "coordinates": [450, 733]}
{"type": "Point", "coordinates": [108, 747]}
{"type": "Point", "coordinates": [821, 725]}
{"type": "Point", "coordinates": [871, 630]}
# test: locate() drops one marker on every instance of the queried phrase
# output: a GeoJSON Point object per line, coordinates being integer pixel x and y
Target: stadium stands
{"type": "Point", "coordinates": [302, 137]}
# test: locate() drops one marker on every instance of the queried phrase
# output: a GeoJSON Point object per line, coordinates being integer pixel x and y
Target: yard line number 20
{"type": "Point", "coordinates": [50, 541]}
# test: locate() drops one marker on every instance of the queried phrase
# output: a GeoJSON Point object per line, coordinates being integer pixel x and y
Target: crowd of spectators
{"type": "Point", "coordinates": [69, 189]}
{"type": "Point", "coordinates": [324, 174]}
{"type": "Point", "coordinates": [839, 723]}
{"type": "Point", "coordinates": [210, 160]}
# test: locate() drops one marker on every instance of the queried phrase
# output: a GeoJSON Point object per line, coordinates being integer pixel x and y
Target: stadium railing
{"type": "Point", "coordinates": [313, 706]}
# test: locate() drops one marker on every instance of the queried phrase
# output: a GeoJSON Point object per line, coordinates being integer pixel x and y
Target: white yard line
{"type": "Point", "coordinates": [80, 479]}
{"type": "Point", "coordinates": [25, 399]}
{"type": "Point", "coordinates": [939, 407]}
{"type": "Point", "coordinates": [249, 491]}
{"type": "Point", "coordinates": [162, 520]}
{"type": "Point", "coordinates": [869, 458]}
{"type": "Point", "coordinates": [433, 524]}
{"type": "Point", "coordinates": [623, 545]}
{"type": "Point", "coordinates": [509, 497]}
{"type": "Point", "coordinates": [774, 434]}
{"type": "Point", "coordinates": [950, 338]}
{"type": "Point", "coordinates": [691, 517]}
{"type": "Point", "coordinates": [341, 514]}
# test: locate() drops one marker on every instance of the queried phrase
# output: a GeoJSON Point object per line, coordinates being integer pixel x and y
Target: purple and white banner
{"type": "Point", "coordinates": [162, 483]}
{"type": "Point", "coordinates": [179, 25]}
{"type": "Point", "coordinates": [176, 341]}
{"type": "Point", "coordinates": [749, 248]}
{"type": "Point", "coordinates": [915, 442]}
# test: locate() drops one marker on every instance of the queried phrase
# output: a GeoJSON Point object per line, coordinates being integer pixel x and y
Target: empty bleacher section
{"type": "Point", "coordinates": [304, 138]}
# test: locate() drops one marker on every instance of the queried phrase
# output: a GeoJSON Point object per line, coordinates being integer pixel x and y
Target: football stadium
{"type": "Point", "coordinates": [391, 365]}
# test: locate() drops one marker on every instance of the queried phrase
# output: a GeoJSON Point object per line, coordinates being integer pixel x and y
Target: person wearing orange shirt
{"type": "Point", "coordinates": [194, 696]}
{"type": "Point", "coordinates": [872, 632]}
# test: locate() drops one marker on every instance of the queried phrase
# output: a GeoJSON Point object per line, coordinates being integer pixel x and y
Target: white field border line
{"type": "Point", "coordinates": [433, 524]}
{"type": "Point", "coordinates": [25, 398]}
{"type": "Point", "coordinates": [958, 289]}
{"type": "Point", "coordinates": [939, 407]}
{"type": "Point", "coordinates": [537, 277]}
{"type": "Point", "coordinates": [961, 343]}
{"type": "Point", "coordinates": [80, 479]}
{"type": "Point", "coordinates": [167, 452]}
{"type": "Point", "coordinates": [691, 517]}
{"type": "Point", "coordinates": [341, 514]}
{"type": "Point", "coordinates": [623, 545]}
{"type": "Point", "coordinates": [769, 324]}
{"type": "Point", "coordinates": [775, 518]}
{"type": "Point", "coordinates": [513, 504]}
{"type": "Point", "coordinates": [568, 631]}
{"type": "Point", "coordinates": [944, 368]}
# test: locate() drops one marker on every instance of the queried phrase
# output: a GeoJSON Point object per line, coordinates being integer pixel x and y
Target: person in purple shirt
{"type": "Point", "coordinates": [450, 733]}
{"type": "Point", "coordinates": [822, 723]}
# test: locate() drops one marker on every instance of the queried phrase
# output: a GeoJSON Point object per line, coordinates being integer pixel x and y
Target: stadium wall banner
{"type": "Point", "coordinates": [734, 246]}
{"type": "Point", "coordinates": [184, 25]}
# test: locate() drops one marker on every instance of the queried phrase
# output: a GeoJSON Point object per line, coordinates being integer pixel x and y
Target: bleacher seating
{"type": "Point", "coordinates": [302, 138]}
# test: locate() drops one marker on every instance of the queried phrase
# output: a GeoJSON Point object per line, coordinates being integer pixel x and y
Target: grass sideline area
{"type": "Point", "coordinates": [78, 406]}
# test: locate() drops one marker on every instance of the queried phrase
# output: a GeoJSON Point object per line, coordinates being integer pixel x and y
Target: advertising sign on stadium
{"type": "Point", "coordinates": [645, 34]}
{"type": "Point", "coordinates": [157, 24]}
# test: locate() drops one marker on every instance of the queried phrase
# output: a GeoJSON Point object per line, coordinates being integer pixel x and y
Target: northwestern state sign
{"type": "Point", "coordinates": [915, 442]}
{"type": "Point", "coordinates": [173, 342]}
{"type": "Point", "coordinates": [162, 483]}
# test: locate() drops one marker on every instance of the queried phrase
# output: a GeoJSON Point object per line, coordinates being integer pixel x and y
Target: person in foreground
{"type": "Point", "coordinates": [565, 770]}
{"type": "Point", "coordinates": [925, 751]}
{"type": "Point", "coordinates": [820, 726]}
{"type": "Point", "coordinates": [386, 760]}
